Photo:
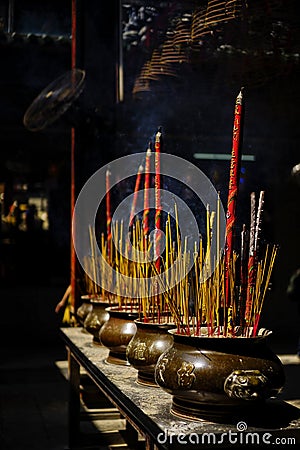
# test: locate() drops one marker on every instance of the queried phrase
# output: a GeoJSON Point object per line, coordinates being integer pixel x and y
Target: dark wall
{"type": "Point", "coordinates": [195, 109]}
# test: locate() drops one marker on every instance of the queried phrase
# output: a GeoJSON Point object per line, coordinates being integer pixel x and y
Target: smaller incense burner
{"type": "Point", "coordinates": [96, 318]}
{"type": "Point", "coordinates": [84, 309]}
{"type": "Point", "coordinates": [117, 332]}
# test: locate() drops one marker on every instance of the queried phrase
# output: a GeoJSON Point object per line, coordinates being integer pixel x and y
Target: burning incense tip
{"type": "Point", "coordinates": [240, 96]}
{"type": "Point", "coordinates": [158, 134]}
{"type": "Point", "coordinates": [141, 168]}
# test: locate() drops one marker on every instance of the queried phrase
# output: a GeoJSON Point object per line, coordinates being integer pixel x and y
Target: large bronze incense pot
{"type": "Point", "coordinates": [217, 378]}
{"type": "Point", "coordinates": [149, 342]}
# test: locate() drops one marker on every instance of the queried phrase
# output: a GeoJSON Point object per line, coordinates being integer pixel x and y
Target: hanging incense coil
{"type": "Point", "coordinates": [158, 67]}
{"type": "Point", "coordinates": [204, 20]}
{"type": "Point", "coordinates": [182, 33]}
{"type": "Point", "coordinates": [142, 83]}
{"type": "Point", "coordinates": [198, 28]}
{"type": "Point", "coordinates": [220, 11]}
{"type": "Point", "coordinates": [170, 54]}
{"type": "Point", "coordinates": [168, 70]}
{"type": "Point", "coordinates": [155, 66]}
{"type": "Point", "coordinates": [152, 71]}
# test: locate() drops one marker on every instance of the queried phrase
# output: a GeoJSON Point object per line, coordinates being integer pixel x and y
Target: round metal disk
{"type": "Point", "coordinates": [54, 100]}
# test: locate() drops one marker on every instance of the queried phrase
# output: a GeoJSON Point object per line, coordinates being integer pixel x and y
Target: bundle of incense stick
{"type": "Point", "coordinates": [90, 287]}
{"type": "Point", "coordinates": [220, 298]}
{"type": "Point", "coordinates": [134, 269]}
{"type": "Point", "coordinates": [196, 302]}
{"type": "Point", "coordinates": [91, 265]}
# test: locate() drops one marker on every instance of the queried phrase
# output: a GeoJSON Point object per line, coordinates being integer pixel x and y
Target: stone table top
{"type": "Point", "coordinates": [152, 405]}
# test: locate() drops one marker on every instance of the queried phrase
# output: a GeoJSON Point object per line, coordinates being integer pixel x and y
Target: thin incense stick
{"type": "Point", "coordinates": [251, 262]}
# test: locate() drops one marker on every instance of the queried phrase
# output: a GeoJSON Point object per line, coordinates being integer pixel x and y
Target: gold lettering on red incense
{"type": "Point", "coordinates": [232, 169]}
{"type": "Point", "coordinates": [233, 157]}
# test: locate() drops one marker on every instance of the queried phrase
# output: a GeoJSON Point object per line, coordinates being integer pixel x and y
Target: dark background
{"type": "Point", "coordinates": [259, 50]}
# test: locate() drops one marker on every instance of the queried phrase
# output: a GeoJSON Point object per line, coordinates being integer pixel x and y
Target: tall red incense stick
{"type": "Point", "coordinates": [108, 213]}
{"type": "Point", "coordinates": [158, 139]}
{"type": "Point", "coordinates": [146, 192]}
{"type": "Point", "coordinates": [157, 241]}
{"type": "Point", "coordinates": [234, 179]}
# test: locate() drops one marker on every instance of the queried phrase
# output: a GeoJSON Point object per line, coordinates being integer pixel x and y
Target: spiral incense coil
{"type": "Point", "coordinates": [141, 86]}
{"type": "Point", "coordinates": [216, 12]}
{"type": "Point", "coordinates": [142, 83]}
{"type": "Point", "coordinates": [165, 67]}
{"type": "Point", "coordinates": [171, 55]}
{"type": "Point", "coordinates": [152, 71]}
{"type": "Point", "coordinates": [198, 24]}
{"type": "Point", "coordinates": [155, 66]}
{"type": "Point", "coordinates": [220, 11]}
{"type": "Point", "coordinates": [182, 33]}
{"type": "Point", "coordinates": [168, 69]}
{"type": "Point", "coordinates": [159, 66]}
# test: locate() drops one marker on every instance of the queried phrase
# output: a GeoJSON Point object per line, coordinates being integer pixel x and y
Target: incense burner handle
{"type": "Point", "coordinates": [245, 384]}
